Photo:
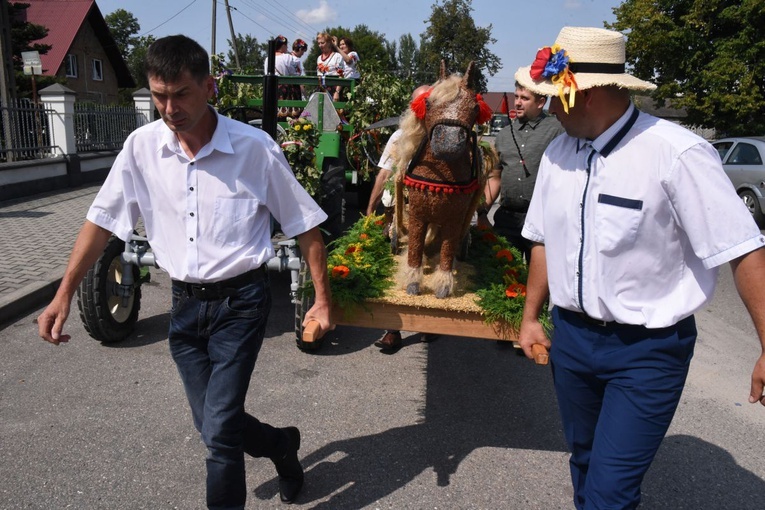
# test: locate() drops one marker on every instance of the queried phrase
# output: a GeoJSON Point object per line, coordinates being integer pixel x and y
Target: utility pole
{"type": "Point", "coordinates": [214, 22]}
{"type": "Point", "coordinates": [233, 36]}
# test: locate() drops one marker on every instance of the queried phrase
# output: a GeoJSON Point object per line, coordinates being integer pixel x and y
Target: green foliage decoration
{"type": "Point", "coordinates": [227, 92]}
{"type": "Point", "coordinates": [360, 264]}
{"type": "Point", "coordinates": [500, 280]}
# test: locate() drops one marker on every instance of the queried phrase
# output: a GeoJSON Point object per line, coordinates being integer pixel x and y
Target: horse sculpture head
{"type": "Point", "coordinates": [448, 112]}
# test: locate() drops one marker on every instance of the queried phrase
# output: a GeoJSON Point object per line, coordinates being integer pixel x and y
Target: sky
{"type": "Point", "coordinates": [520, 27]}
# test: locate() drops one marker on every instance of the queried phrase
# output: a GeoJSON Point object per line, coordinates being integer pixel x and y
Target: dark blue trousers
{"type": "Point", "coordinates": [618, 387]}
{"type": "Point", "coordinates": [215, 345]}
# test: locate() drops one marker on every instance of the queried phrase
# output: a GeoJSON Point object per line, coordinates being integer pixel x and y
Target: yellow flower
{"type": "Point", "coordinates": [307, 127]}
{"type": "Point", "coordinates": [297, 127]}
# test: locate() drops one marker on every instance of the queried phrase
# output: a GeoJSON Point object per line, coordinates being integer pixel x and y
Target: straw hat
{"type": "Point", "coordinates": [581, 58]}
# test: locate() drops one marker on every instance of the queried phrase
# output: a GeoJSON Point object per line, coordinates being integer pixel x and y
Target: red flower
{"type": "Point", "coordinates": [379, 222]}
{"type": "Point", "coordinates": [351, 249]}
{"type": "Point", "coordinates": [483, 228]}
{"type": "Point", "coordinates": [512, 273]}
{"type": "Point", "coordinates": [363, 236]}
{"type": "Point", "coordinates": [505, 254]}
{"type": "Point", "coordinates": [340, 271]}
{"type": "Point", "coordinates": [488, 236]}
{"type": "Point", "coordinates": [538, 67]}
{"type": "Point", "coordinates": [515, 290]}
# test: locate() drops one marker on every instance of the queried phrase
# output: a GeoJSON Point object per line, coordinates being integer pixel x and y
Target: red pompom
{"type": "Point", "coordinates": [538, 67]}
{"type": "Point", "coordinates": [419, 105]}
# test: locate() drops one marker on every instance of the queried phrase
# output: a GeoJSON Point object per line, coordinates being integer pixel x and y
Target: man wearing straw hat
{"type": "Point", "coordinates": [631, 217]}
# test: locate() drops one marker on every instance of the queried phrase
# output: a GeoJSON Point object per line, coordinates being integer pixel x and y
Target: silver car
{"type": "Point", "coordinates": [743, 163]}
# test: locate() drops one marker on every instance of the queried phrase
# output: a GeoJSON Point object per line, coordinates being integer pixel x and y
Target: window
{"type": "Point", "coordinates": [745, 154]}
{"type": "Point", "coordinates": [723, 148]}
{"type": "Point", "coordinates": [98, 70]}
{"type": "Point", "coordinates": [71, 66]}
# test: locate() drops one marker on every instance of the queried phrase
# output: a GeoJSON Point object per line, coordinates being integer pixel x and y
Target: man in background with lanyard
{"type": "Point", "coordinates": [520, 146]}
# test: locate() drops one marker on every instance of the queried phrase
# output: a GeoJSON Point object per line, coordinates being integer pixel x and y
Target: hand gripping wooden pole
{"type": "Point", "coordinates": [539, 352]}
{"type": "Point", "coordinates": [312, 332]}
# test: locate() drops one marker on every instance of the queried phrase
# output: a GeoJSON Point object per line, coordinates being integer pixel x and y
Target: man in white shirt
{"type": "Point", "coordinates": [206, 187]}
{"type": "Point", "coordinates": [631, 216]}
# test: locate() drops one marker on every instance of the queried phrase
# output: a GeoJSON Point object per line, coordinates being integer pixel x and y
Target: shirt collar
{"type": "Point", "coordinates": [608, 140]}
{"type": "Point", "coordinates": [532, 123]}
{"type": "Point", "coordinates": [220, 140]}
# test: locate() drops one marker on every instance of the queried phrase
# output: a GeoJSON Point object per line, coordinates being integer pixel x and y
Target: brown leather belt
{"type": "Point", "coordinates": [225, 288]}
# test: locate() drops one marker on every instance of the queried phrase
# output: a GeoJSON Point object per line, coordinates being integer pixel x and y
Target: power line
{"type": "Point", "coordinates": [166, 21]}
{"type": "Point", "coordinates": [291, 15]}
{"type": "Point", "coordinates": [271, 17]}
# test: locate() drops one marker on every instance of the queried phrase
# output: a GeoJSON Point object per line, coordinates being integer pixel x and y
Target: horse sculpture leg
{"type": "Point", "coordinates": [443, 280]}
{"type": "Point", "coordinates": [414, 256]}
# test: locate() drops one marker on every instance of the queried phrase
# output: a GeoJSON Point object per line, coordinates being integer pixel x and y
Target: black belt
{"type": "Point", "coordinates": [599, 322]}
{"type": "Point", "coordinates": [224, 288]}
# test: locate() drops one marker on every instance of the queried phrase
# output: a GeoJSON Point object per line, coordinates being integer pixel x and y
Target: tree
{"type": "Point", "coordinates": [136, 60]}
{"type": "Point", "coordinates": [706, 56]}
{"type": "Point", "coordinates": [408, 56]}
{"type": "Point", "coordinates": [252, 54]}
{"type": "Point", "coordinates": [123, 27]}
{"type": "Point", "coordinates": [23, 35]}
{"type": "Point", "coordinates": [453, 37]}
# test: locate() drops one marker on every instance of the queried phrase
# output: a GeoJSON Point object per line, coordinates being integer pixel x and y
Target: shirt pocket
{"type": "Point", "coordinates": [233, 220]}
{"type": "Point", "coordinates": [617, 220]}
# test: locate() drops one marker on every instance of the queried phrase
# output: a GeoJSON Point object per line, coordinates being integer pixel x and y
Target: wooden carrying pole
{"type": "Point", "coordinates": [313, 332]}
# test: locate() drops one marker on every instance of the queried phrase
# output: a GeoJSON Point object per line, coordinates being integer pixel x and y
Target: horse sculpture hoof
{"type": "Point", "coordinates": [413, 289]}
{"type": "Point", "coordinates": [442, 293]}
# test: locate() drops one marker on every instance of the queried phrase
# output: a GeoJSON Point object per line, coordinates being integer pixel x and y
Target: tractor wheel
{"type": "Point", "coordinates": [303, 303]}
{"type": "Point", "coordinates": [104, 315]}
{"type": "Point", "coordinates": [332, 197]}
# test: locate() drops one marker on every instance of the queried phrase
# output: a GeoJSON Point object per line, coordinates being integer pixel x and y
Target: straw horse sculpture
{"type": "Point", "coordinates": [444, 174]}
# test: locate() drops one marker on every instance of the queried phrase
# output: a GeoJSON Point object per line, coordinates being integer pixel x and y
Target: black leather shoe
{"type": "Point", "coordinates": [289, 469]}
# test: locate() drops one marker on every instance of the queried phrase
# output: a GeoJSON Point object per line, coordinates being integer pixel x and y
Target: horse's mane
{"type": "Point", "coordinates": [414, 129]}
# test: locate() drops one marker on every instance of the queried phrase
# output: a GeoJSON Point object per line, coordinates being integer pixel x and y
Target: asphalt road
{"type": "Point", "coordinates": [457, 423]}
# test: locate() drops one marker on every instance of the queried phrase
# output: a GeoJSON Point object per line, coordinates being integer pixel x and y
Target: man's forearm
{"type": "Point", "coordinates": [749, 275]}
{"type": "Point", "coordinates": [537, 290]}
{"type": "Point", "coordinates": [88, 247]}
{"type": "Point", "coordinates": [315, 254]}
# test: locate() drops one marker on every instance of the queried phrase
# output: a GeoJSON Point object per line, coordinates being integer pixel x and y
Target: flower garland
{"type": "Point", "coordinates": [298, 147]}
{"type": "Point", "coordinates": [553, 63]}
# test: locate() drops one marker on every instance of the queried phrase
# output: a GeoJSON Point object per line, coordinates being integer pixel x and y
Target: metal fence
{"type": "Point", "coordinates": [25, 131]}
{"type": "Point", "coordinates": [103, 127]}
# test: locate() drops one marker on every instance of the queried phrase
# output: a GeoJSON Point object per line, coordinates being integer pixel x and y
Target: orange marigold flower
{"type": "Point", "coordinates": [363, 236]}
{"type": "Point", "coordinates": [352, 249]}
{"type": "Point", "coordinates": [515, 290]}
{"type": "Point", "coordinates": [488, 236]}
{"type": "Point", "coordinates": [379, 222]}
{"type": "Point", "coordinates": [505, 254]}
{"type": "Point", "coordinates": [340, 271]}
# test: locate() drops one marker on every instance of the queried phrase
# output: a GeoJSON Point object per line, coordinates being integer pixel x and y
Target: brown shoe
{"type": "Point", "coordinates": [390, 341]}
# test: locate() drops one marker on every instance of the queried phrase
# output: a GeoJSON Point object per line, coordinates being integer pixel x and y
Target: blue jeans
{"type": "Point", "coordinates": [214, 345]}
{"type": "Point", "coordinates": [618, 388]}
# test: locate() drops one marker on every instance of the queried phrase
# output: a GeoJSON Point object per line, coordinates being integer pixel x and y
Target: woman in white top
{"type": "Point", "coordinates": [285, 64]}
{"type": "Point", "coordinates": [329, 62]}
{"type": "Point", "coordinates": [350, 61]}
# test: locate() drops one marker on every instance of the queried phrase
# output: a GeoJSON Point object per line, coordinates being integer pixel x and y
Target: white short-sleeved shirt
{"type": "Point", "coordinates": [638, 238]}
{"type": "Point", "coordinates": [207, 218]}
{"type": "Point", "coordinates": [285, 64]}
{"type": "Point", "coordinates": [388, 162]}
{"type": "Point", "coordinates": [349, 68]}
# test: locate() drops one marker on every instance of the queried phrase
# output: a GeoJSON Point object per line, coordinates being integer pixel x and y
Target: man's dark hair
{"type": "Point", "coordinates": [167, 58]}
{"type": "Point", "coordinates": [536, 96]}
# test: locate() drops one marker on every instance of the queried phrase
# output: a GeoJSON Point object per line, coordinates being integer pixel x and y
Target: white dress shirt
{"type": "Point", "coordinates": [208, 218]}
{"type": "Point", "coordinates": [638, 237]}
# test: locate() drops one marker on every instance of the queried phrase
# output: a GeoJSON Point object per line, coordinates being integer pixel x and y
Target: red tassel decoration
{"type": "Point", "coordinates": [419, 105]}
{"type": "Point", "coordinates": [484, 110]}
